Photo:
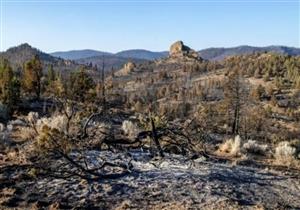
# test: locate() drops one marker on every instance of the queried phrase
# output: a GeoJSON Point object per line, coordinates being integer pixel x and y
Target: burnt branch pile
{"type": "Point", "coordinates": [61, 149]}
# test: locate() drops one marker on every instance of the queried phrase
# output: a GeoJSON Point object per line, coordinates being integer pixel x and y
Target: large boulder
{"type": "Point", "coordinates": [178, 49]}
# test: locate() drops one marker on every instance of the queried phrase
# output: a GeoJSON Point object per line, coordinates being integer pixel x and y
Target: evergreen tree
{"type": "Point", "coordinates": [51, 76]}
{"type": "Point", "coordinates": [9, 87]}
{"type": "Point", "coordinates": [33, 73]}
{"type": "Point", "coordinates": [258, 92]}
{"type": "Point", "coordinates": [81, 83]}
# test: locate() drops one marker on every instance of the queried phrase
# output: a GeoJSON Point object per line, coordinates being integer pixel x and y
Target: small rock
{"type": "Point", "coordinates": [10, 127]}
{"type": "Point", "coordinates": [17, 122]}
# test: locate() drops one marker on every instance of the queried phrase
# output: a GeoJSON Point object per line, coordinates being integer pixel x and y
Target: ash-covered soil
{"type": "Point", "coordinates": [173, 182]}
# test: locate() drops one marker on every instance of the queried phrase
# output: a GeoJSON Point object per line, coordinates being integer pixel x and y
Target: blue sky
{"type": "Point", "coordinates": [119, 25]}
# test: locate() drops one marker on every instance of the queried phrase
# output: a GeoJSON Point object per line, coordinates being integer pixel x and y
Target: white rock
{"type": "Point", "coordinates": [2, 127]}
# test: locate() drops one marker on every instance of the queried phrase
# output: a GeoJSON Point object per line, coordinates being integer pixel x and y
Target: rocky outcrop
{"type": "Point", "coordinates": [178, 49]}
{"type": "Point", "coordinates": [128, 67]}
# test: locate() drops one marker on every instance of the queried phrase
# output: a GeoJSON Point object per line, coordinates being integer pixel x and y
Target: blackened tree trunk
{"type": "Point", "coordinates": [155, 138]}
{"type": "Point", "coordinates": [103, 85]}
{"type": "Point", "coordinates": [236, 94]}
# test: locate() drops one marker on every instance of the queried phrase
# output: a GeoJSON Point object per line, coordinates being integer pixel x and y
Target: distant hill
{"type": "Point", "coordinates": [110, 61]}
{"type": "Point", "coordinates": [142, 54]}
{"type": "Point", "coordinates": [221, 53]}
{"type": "Point", "coordinates": [24, 52]}
{"type": "Point", "coordinates": [18, 55]}
{"type": "Point", "coordinates": [138, 54]}
{"type": "Point", "coordinates": [73, 59]}
{"type": "Point", "coordinates": [208, 54]}
{"type": "Point", "coordinates": [78, 54]}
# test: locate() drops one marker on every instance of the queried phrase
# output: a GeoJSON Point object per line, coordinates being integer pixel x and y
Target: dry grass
{"type": "Point", "coordinates": [55, 122]}
{"type": "Point", "coordinates": [285, 154]}
{"type": "Point", "coordinates": [24, 133]}
{"type": "Point", "coordinates": [285, 151]}
{"type": "Point", "coordinates": [231, 147]}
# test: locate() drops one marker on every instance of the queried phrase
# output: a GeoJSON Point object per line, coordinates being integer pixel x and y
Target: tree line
{"type": "Point", "coordinates": [32, 82]}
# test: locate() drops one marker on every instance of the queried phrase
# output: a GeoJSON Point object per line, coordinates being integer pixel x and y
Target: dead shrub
{"type": "Point", "coordinates": [253, 147]}
{"type": "Point", "coordinates": [49, 134]}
